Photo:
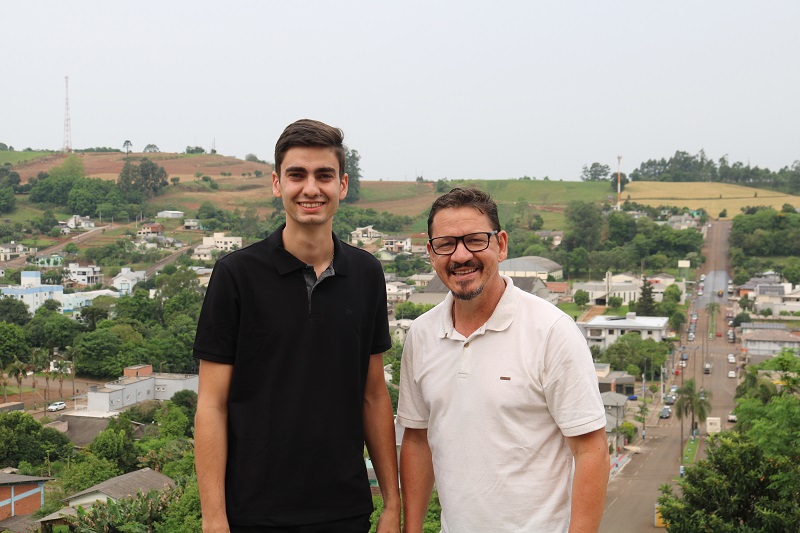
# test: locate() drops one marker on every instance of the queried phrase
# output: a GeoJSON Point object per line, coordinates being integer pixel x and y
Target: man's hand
{"type": "Point", "coordinates": [389, 522]}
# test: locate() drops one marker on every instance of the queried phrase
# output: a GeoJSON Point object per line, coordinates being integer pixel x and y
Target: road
{"type": "Point", "coordinates": [634, 490]}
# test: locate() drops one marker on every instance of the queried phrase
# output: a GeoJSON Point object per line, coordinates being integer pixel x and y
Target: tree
{"type": "Point", "coordinates": [595, 172]}
{"type": "Point", "coordinates": [738, 488]}
{"type": "Point", "coordinates": [187, 400]}
{"type": "Point", "coordinates": [581, 298]}
{"type": "Point", "coordinates": [22, 438]}
{"type": "Point", "coordinates": [615, 302]}
{"type": "Point", "coordinates": [353, 170]}
{"type": "Point", "coordinates": [7, 200]}
{"type": "Point", "coordinates": [13, 343]}
{"type": "Point", "coordinates": [115, 445]}
{"type": "Point", "coordinates": [646, 306]}
{"type": "Point", "coordinates": [677, 320]}
{"type": "Point", "coordinates": [151, 148]}
{"type": "Point", "coordinates": [85, 471]}
{"type": "Point", "coordinates": [127, 146]}
{"type": "Point", "coordinates": [13, 311]}
{"type": "Point", "coordinates": [692, 402]}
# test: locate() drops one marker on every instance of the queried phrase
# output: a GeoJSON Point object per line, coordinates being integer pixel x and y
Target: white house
{"type": "Point", "coordinates": [604, 331]}
{"type": "Point", "coordinates": [397, 244]}
{"type": "Point", "coordinates": [217, 242]}
{"type": "Point", "coordinates": [78, 300]}
{"type": "Point", "coordinates": [84, 275]}
{"type": "Point", "coordinates": [397, 291]}
{"type": "Point", "coordinates": [79, 222]}
{"type": "Point", "coordinates": [367, 235]}
{"type": "Point", "coordinates": [399, 329]}
{"type": "Point", "coordinates": [12, 250]}
{"type": "Point", "coordinates": [125, 280]}
{"type": "Point", "coordinates": [769, 342]}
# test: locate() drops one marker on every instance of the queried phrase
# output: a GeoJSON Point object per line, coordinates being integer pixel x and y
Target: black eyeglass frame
{"type": "Point", "coordinates": [489, 235]}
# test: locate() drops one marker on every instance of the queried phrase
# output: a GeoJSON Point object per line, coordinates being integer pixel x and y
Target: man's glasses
{"type": "Point", "coordinates": [474, 242]}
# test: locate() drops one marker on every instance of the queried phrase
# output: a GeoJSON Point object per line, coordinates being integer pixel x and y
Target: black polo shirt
{"type": "Point", "coordinates": [295, 428]}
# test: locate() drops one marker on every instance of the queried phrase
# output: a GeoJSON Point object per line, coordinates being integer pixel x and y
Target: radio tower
{"type": "Point", "coordinates": [67, 126]}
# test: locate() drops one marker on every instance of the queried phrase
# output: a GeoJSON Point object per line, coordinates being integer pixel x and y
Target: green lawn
{"type": "Point", "coordinates": [16, 158]}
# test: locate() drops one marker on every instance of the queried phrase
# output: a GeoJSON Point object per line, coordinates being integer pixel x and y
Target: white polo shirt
{"type": "Point", "coordinates": [498, 406]}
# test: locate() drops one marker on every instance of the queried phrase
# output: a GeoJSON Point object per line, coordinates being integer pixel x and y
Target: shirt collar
{"type": "Point", "coordinates": [285, 262]}
{"type": "Point", "coordinates": [501, 318]}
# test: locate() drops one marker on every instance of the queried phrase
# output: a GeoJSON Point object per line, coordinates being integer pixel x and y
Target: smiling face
{"type": "Point", "coordinates": [468, 274]}
{"type": "Point", "coordinates": [308, 182]}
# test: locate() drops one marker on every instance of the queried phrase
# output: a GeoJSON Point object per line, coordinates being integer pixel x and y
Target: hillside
{"type": "Point", "coordinates": [240, 190]}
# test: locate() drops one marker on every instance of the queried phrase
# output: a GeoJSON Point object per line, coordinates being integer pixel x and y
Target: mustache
{"type": "Point", "coordinates": [469, 264]}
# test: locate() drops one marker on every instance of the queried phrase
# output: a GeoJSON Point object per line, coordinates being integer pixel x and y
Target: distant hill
{"type": "Point", "coordinates": [242, 189]}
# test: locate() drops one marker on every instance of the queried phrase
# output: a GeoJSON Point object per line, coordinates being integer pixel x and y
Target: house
{"type": "Point", "coordinates": [84, 275]}
{"type": "Point", "coordinates": [79, 222]}
{"type": "Point", "coordinates": [614, 380]}
{"type": "Point", "coordinates": [604, 331]}
{"type": "Point", "coordinates": [137, 384]}
{"type": "Point", "coordinates": [191, 223]}
{"type": "Point", "coordinates": [399, 329]}
{"type": "Point", "coordinates": [627, 287]}
{"type": "Point", "coordinates": [365, 235]}
{"type": "Point", "coordinates": [78, 300]}
{"type": "Point", "coordinates": [115, 489]}
{"type": "Point", "coordinates": [150, 228]}
{"type": "Point", "coordinates": [52, 260]}
{"type": "Point", "coordinates": [559, 289]}
{"type": "Point", "coordinates": [768, 342]}
{"type": "Point", "coordinates": [20, 495]}
{"type": "Point", "coordinates": [422, 280]}
{"type": "Point", "coordinates": [216, 243]}
{"type": "Point", "coordinates": [397, 291]}
{"type": "Point", "coordinates": [776, 297]}
{"type": "Point", "coordinates": [683, 221]}
{"type": "Point", "coordinates": [616, 406]}
{"type": "Point", "coordinates": [435, 291]}
{"type": "Point", "coordinates": [170, 214]}
{"type": "Point", "coordinates": [531, 266]}
{"type": "Point", "coordinates": [551, 236]}
{"type": "Point", "coordinates": [125, 280]}
{"type": "Point", "coordinates": [397, 244]}
{"type": "Point", "coordinates": [31, 291]}
{"type": "Point", "coordinates": [12, 250]}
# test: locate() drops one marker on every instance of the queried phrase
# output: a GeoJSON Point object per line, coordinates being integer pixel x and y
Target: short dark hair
{"type": "Point", "coordinates": [471, 197]}
{"type": "Point", "coordinates": [307, 132]}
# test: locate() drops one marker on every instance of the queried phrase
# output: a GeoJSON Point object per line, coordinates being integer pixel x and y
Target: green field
{"type": "Point", "coordinates": [16, 158]}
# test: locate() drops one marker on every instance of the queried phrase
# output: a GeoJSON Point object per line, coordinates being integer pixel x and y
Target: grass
{"type": "Point", "coordinates": [690, 450]}
{"type": "Point", "coordinates": [17, 158]}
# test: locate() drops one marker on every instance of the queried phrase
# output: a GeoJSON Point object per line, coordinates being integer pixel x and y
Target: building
{"type": "Point", "coordinates": [554, 237]}
{"type": "Point", "coordinates": [603, 331]}
{"type": "Point", "coordinates": [78, 300]}
{"type": "Point", "coordinates": [435, 291]}
{"type": "Point", "coordinates": [191, 223]}
{"type": "Point", "coordinates": [138, 383]}
{"type": "Point", "coordinates": [397, 291]}
{"type": "Point", "coordinates": [365, 235]}
{"type": "Point", "coordinates": [399, 329]}
{"type": "Point", "coordinates": [768, 342]}
{"type": "Point", "coordinates": [84, 275]}
{"type": "Point", "coordinates": [627, 287]}
{"type": "Point", "coordinates": [32, 292]}
{"type": "Point", "coordinates": [170, 214]}
{"type": "Point", "coordinates": [397, 244]}
{"type": "Point", "coordinates": [79, 222]}
{"type": "Point", "coordinates": [531, 266]}
{"type": "Point", "coordinates": [20, 495]}
{"type": "Point", "coordinates": [216, 243]}
{"type": "Point", "coordinates": [125, 280]}
{"type": "Point", "coordinates": [13, 250]}
{"type": "Point", "coordinates": [114, 489]}
{"type": "Point", "coordinates": [150, 228]}
{"type": "Point", "coordinates": [422, 280]}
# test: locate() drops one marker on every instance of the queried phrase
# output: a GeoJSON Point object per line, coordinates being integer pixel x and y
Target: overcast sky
{"type": "Point", "coordinates": [440, 89]}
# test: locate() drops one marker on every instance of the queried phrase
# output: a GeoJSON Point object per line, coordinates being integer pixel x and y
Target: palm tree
{"type": "Point", "coordinates": [38, 361]}
{"type": "Point", "coordinates": [692, 401]}
{"type": "Point", "coordinates": [4, 379]}
{"type": "Point", "coordinates": [17, 370]}
{"type": "Point", "coordinates": [755, 386]}
{"type": "Point", "coordinates": [61, 370]}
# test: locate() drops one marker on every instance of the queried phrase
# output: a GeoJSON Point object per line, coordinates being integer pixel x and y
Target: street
{"type": "Point", "coordinates": [633, 491]}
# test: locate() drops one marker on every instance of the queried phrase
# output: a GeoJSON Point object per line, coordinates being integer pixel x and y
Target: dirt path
{"type": "Point", "coordinates": [34, 400]}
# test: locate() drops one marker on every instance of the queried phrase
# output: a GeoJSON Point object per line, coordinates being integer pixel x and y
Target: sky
{"type": "Point", "coordinates": [449, 89]}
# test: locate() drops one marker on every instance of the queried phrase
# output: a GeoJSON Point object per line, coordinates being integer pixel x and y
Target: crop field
{"type": "Point", "coordinates": [713, 197]}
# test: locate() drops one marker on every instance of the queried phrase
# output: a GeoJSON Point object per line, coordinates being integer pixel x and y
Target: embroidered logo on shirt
{"type": "Point", "coordinates": [505, 378]}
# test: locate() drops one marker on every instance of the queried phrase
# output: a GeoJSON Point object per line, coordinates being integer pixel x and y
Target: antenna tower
{"type": "Point", "coordinates": [67, 125]}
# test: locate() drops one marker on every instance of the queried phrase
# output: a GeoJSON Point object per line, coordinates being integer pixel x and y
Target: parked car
{"type": "Point", "coordinates": [633, 397]}
{"type": "Point", "coordinates": [731, 417]}
{"type": "Point", "coordinates": [673, 389]}
{"type": "Point", "coordinates": [731, 358]}
{"type": "Point", "coordinates": [670, 399]}
{"type": "Point", "coordinates": [666, 412]}
{"type": "Point", "coordinates": [57, 406]}
{"type": "Point", "coordinates": [682, 363]}
{"type": "Point", "coordinates": [732, 374]}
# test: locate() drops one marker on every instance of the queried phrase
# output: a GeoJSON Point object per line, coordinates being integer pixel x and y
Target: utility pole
{"type": "Point", "coordinates": [67, 122]}
{"type": "Point", "coordinates": [619, 180]}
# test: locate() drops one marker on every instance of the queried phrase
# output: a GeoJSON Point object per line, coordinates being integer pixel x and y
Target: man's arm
{"type": "Point", "coordinates": [416, 478]}
{"type": "Point", "coordinates": [590, 481]}
{"type": "Point", "coordinates": [380, 440]}
{"type": "Point", "coordinates": [211, 443]}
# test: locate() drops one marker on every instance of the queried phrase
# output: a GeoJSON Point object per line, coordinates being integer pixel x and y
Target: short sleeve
{"type": "Point", "coordinates": [218, 325]}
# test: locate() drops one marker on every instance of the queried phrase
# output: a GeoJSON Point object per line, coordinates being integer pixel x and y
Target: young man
{"type": "Point", "coordinates": [498, 394]}
{"type": "Point", "coordinates": [290, 342]}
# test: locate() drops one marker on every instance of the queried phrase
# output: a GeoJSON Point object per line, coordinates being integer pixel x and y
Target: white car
{"type": "Point", "coordinates": [731, 358]}
{"type": "Point", "coordinates": [731, 373]}
{"type": "Point", "coordinates": [57, 406]}
{"type": "Point", "coordinates": [731, 417]}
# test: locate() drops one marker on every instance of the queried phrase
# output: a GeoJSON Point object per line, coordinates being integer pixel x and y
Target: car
{"type": "Point", "coordinates": [700, 292]}
{"type": "Point", "coordinates": [720, 293]}
{"type": "Point", "coordinates": [633, 397]}
{"type": "Point", "coordinates": [673, 389]}
{"type": "Point", "coordinates": [731, 417]}
{"type": "Point", "coordinates": [56, 406]}
{"type": "Point", "coordinates": [709, 225]}
{"type": "Point", "coordinates": [731, 373]}
{"type": "Point", "coordinates": [702, 277]}
{"type": "Point", "coordinates": [670, 399]}
{"type": "Point", "coordinates": [666, 412]}
{"type": "Point", "coordinates": [731, 358]}
{"type": "Point", "coordinates": [719, 334]}
{"type": "Point", "coordinates": [682, 363]}
{"type": "Point", "coordinates": [691, 337]}
{"type": "Point", "coordinates": [684, 356]}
